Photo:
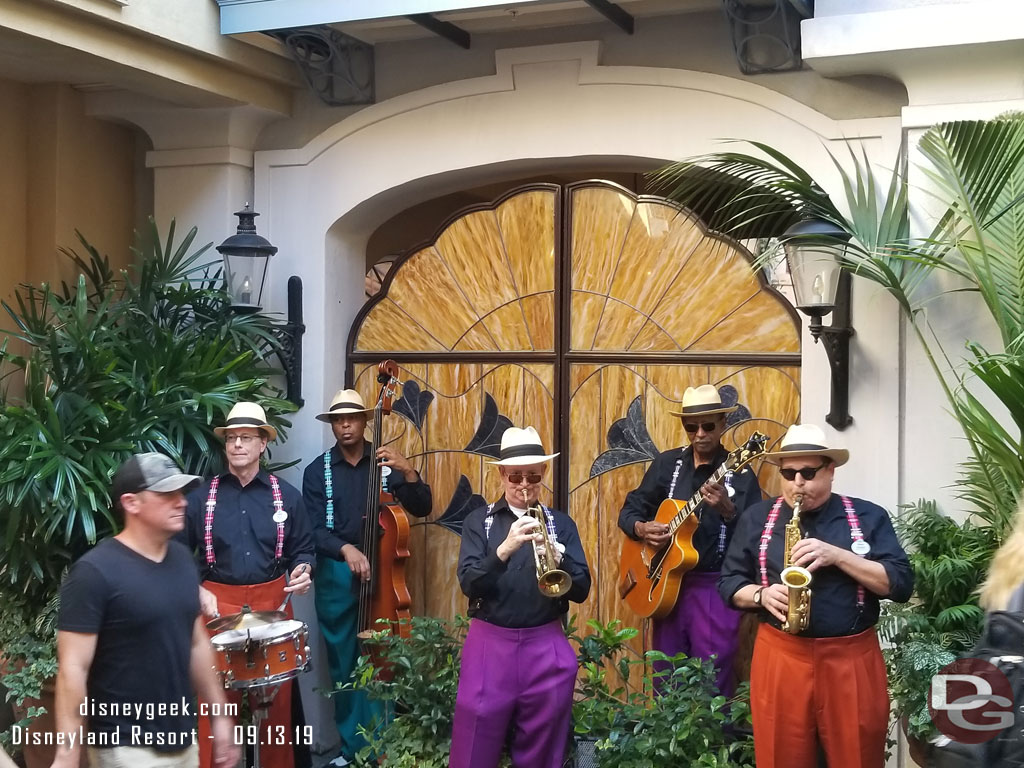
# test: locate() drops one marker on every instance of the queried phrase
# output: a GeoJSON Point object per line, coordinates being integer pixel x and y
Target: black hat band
{"type": "Point", "coordinates": [522, 450]}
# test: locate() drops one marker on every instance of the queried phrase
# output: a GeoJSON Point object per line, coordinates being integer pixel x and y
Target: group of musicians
{"type": "Point", "coordinates": [816, 687]}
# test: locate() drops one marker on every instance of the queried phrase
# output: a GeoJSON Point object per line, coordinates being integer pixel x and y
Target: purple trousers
{"type": "Point", "coordinates": [518, 679]}
{"type": "Point", "coordinates": [701, 626]}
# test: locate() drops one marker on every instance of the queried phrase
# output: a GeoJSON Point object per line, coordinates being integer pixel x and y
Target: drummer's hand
{"type": "Point", "coordinates": [357, 561]}
{"type": "Point", "coordinates": [389, 457]}
{"type": "Point", "coordinates": [299, 581]}
{"type": "Point", "coordinates": [208, 603]}
{"type": "Point", "coordinates": [226, 753]}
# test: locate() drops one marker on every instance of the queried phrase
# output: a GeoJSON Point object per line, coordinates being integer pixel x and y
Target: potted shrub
{"type": "Point", "coordinates": [143, 359]}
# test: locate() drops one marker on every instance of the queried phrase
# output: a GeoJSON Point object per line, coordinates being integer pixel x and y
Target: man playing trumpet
{"type": "Point", "coordinates": [517, 666]}
{"type": "Point", "coordinates": [822, 678]}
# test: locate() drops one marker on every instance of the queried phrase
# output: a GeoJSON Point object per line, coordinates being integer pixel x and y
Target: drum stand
{"type": "Point", "coordinates": [261, 697]}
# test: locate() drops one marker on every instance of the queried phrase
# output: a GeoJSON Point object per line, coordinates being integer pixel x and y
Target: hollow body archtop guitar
{"type": "Point", "coordinates": [649, 578]}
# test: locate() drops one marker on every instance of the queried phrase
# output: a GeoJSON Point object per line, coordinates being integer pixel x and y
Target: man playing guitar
{"type": "Point", "coordinates": [700, 624]}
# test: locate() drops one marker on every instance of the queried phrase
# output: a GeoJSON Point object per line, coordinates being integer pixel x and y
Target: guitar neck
{"type": "Point", "coordinates": [696, 499]}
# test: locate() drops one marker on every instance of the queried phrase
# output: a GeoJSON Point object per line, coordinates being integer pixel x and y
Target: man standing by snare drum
{"type": "Point", "coordinates": [250, 529]}
{"type": "Point", "coordinates": [130, 637]}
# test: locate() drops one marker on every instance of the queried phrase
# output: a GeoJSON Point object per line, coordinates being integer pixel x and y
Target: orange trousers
{"type": "Point", "coordinates": [259, 597]}
{"type": "Point", "coordinates": [806, 690]}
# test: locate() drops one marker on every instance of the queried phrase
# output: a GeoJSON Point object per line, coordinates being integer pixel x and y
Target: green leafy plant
{"type": "Point", "coordinates": [687, 723]}
{"type": "Point", "coordinates": [690, 724]}
{"type": "Point", "coordinates": [143, 359]}
{"type": "Point", "coordinates": [943, 619]}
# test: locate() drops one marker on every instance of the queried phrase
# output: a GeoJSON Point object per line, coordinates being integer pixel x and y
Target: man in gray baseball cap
{"type": "Point", "coordinates": [131, 644]}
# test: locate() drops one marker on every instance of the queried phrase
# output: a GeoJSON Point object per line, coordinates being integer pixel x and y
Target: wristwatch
{"type": "Point", "coordinates": [757, 596]}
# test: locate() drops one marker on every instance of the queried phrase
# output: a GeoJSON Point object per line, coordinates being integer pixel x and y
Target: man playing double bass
{"type": "Point", "coordinates": [700, 624]}
{"type": "Point", "coordinates": [249, 529]}
{"type": "Point", "coordinates": [335, 489]}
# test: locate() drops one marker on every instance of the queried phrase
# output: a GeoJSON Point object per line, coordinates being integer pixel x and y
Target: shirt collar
{"type": "Point", "coordinates": [338, 458]}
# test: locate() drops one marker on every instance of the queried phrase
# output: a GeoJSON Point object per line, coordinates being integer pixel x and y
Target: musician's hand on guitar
{"type": "Point", "coordinates": [717, 496]}
{"type": "Point", "coordinates": [389, 457]}
{"type": "Point", "coordinates": [653, 533]}
{"type": "Point", "coordinates": [357, 561]}
{"type": "Point", "coordinates": [524, 530]}
{"type": "Point", "coordinates": [299, 580]}
{"type": "Point", "coordinates": [775, 600]}
{"type": "Point", "coordinates": [813, 554]}
{"type": "Point", "coordinates": [208, 603]}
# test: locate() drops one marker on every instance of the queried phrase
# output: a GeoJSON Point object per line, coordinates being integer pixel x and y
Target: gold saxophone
{"type": "Point", "coordinates": [551, 581]}
{"type": "Point", "coordinates": [796, 579]}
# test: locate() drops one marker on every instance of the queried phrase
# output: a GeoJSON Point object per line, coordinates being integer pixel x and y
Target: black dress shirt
{"type": "Point", "coordinates": [834, 611]}
{"type": "Point", "coordinates": [244, 531]}
{"type": "Point", "coordinates": [642, 504]}
{"type": "Point", "coordinates": [506, 593]}
{"type": "Point", "coordinates": [350, 485]}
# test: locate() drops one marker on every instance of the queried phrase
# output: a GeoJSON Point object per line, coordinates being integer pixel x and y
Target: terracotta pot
{"type": "Point", "coordinates": [920, 750]}
{"type": "Point", "coordinates": [41, 755]}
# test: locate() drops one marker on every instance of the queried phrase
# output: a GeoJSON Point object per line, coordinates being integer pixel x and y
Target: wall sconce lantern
{"type": "Point", "coordinates": [246, 256]}
{"type": "Point", "coordinates": [814, 251]}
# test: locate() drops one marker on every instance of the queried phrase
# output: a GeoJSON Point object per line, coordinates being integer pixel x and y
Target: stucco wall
{"type": "Point", "coordinates": [62, 171]}
{"type": "Point", "coordinates": [696, 42]}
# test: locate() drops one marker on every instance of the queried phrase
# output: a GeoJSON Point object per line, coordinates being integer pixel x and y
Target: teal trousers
{"type": "Point", "coordinates": [337, 609]}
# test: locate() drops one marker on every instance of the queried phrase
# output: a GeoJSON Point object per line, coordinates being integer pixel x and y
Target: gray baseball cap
{"type": "Point", "coordinates": [150, 472]}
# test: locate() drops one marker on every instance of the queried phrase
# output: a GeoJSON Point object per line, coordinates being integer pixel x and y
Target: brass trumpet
{"type": "Point", "coordinates": [796, 579]}
{"type": "Point", "coordinates": [551, 581]}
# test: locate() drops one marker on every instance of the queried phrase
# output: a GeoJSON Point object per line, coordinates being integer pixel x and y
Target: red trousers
{"type": "Point", "coordinates": [259, 597]}
{"type": "Point", "coordinates": [804, 690]}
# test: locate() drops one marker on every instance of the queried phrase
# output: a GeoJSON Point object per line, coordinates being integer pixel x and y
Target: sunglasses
{"type": "Point", "coordinates": [517, 477]}
{"type": "Point", "coordinates": [707, 426]}
{"type": "Point", "coordinates": [807, 473]}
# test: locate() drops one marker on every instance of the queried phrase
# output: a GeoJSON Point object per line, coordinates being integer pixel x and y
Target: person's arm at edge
{"type": "Point", "coordinates": [204, 680]}
{"type": "Point", "coordinates": [75, 652]}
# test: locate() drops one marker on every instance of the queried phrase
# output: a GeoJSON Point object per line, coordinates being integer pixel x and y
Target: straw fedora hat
{"type": "Point", "coordinates": [246, 415]}
{"type": "Point", "coordinates": [702, 401]}
{"type": "Point", "coordinates": [520, 447]}
{"type": "Point", "coordinates": [345, 401]}
{"type": "Point", "coordinates": [807, 440]}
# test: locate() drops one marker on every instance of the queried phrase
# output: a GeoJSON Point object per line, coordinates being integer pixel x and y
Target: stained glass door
{"type": "Point", "coordinates": [584, 311]}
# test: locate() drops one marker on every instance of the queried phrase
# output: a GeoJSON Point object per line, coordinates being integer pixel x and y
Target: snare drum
{"type": "Point", "coordinates": [264, 655]}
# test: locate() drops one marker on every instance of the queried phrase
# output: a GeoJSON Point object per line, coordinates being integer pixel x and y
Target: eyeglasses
{"type": "Point", "coordinates": [707, 426]}
{"type": "Point", "coordinates": [517, 477]}
{"type": "Point", "coordinates": [807, 473]}
{"type": "Point", "coordinates": [246, 439]}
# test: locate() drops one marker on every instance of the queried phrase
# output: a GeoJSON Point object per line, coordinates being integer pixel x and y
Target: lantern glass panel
{"type": "Point", "coordinates": [244, 275]}
{"type": "Point", "coordinates": [815, 270]}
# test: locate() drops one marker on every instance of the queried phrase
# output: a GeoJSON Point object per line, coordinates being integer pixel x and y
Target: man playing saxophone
{"type": "Point", "coordinates": [817, 674]}
{"type": "Point", "coordinates": [517, 666]}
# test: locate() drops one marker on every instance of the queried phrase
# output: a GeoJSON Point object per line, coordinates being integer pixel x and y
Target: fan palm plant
{"type": "Point", "coordinates": [146, 359]}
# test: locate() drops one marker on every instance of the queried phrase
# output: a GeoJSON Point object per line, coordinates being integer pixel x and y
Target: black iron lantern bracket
{"type": "Point", "coordinates": [289, 339]}
{"type": "Point", "coordinates": [835, 338]}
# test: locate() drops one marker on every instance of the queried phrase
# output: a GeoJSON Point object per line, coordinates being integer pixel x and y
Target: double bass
{"type": "Point", "coordinates": [385, 596]}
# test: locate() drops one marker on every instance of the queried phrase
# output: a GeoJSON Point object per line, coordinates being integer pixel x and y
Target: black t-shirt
{"type": "Point", "coordinates": [143, 613]}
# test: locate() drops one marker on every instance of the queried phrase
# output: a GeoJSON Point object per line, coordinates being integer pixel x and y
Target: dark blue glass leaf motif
{"type": "Point", "coordinates": [493, 424]}
{"type": "Point", "coordinates": [731, 397]}
{"type": "Point", "coordinates": [463, 502]}
{"type": "Point", "coordinates": [629, 442]}
{"type": "Point", "coordinates": [413, 403]}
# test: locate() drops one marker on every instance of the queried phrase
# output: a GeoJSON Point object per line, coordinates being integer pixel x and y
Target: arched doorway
{"type": "Point", "coordinates": [583, 310]}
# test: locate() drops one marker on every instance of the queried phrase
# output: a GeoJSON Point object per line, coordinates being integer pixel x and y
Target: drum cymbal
{"type": "Point", "coordinates": [245, 620]}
